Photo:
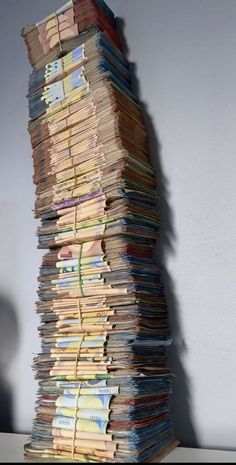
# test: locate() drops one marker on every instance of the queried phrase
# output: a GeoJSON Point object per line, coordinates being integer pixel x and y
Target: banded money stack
{"type": "Point", "coordinates": [103, 374]}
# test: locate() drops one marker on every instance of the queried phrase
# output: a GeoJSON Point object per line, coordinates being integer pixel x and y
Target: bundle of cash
{"type": "Point", "coordinates": [59, 32]}
{"type": "Point", "coordinates": [104, 380]}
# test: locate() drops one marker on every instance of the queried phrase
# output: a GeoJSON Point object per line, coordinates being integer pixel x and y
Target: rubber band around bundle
{"type": "Point", "coordinates": [79, 270]}
{"type": "Point", "coordinates": [63, 87]}
{"type": "Point", "coordinates": [58, 31]}
{"type": "Point", "coordinates": [80, 316]}
{"type": "Point", "coordinates": [71, 156]}
{"type": "Point", "coordinates": [75, 422]}
{"type": "Point", "coordinates": [78, 353]}
{"type": "Point", "coordinates": [75, 222]}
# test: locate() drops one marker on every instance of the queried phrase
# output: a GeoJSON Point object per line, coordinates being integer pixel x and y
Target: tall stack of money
{"type": "Point", "coordinates": [104, 380]}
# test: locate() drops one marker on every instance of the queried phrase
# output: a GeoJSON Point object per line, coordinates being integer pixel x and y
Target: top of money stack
{"type": "Point", "coordinates": [63, 30]}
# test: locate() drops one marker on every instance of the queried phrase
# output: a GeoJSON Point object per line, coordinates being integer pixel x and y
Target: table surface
{"type": "Point", "coordinates": [11, 450]}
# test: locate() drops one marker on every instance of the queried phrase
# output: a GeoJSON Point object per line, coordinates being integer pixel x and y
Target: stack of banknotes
{"type": "Point", "coordinates": [104, 380]}
{"type": "Point", "coordinates": [58, 33]}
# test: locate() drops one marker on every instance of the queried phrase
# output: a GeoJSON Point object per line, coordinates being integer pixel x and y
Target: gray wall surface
{"type": "Point", "coordinates": [186, 68]}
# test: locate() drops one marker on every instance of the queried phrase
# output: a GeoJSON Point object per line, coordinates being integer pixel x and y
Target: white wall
{"type": "Point", "coordinates": [186, 63]}
{"type": "Point", "coordinates": [186, 66]}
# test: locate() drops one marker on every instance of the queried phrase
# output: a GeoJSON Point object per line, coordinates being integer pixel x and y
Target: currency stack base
{"type": "Point", "coordinates": [104, 379]}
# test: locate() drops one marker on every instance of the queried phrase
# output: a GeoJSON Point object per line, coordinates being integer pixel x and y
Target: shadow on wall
{"type": "Point", "coordinates": [181, 398]}
{"type": "Point", "coordinates": [9, 338]}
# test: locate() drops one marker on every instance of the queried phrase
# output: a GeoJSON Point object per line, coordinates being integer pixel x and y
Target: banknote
{"type": "Point", "coordinates": [82, 425]}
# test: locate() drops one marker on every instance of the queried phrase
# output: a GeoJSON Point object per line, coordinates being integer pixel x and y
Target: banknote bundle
{"type": "Point", "coordinates": [59, 32]}
{"type": "Point", "coordinates": [103, 374]}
